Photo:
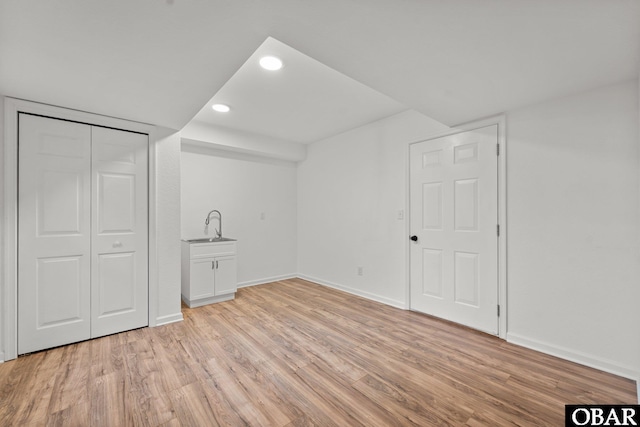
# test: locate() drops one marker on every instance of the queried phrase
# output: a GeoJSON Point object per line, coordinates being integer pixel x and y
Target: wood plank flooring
{"type": "Point", "coordinates": [294, 353]}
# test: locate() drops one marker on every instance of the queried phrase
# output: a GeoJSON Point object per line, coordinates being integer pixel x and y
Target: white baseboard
{"type": "Point", "coordinates": [206, 301]}
{"type": "Point", "coordinates": [171, 318]}
{"type": "Point", "coordinates": [575, 356]}
{"type": "Point", "coordinates": [1, 356]}
{"type": "Point", "coordinates": [368, 295]}
{"type": "Point", "coordinates": [266, 280]}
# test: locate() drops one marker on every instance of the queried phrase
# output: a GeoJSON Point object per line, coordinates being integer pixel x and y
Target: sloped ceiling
{"type": "Point", "coordinates": [303, 102]}
{"type": "Point", "coordinates": [161, 61]}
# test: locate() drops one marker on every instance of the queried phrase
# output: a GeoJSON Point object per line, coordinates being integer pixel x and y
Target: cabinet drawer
{"type": "Point", "coordinates": [203, 250]}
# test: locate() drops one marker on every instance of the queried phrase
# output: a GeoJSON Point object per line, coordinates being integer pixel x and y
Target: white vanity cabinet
{"type": "Point", "coordinates": [209, 271]}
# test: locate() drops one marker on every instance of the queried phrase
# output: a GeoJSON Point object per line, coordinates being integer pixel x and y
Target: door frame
{"type": "Point", "coordinates": [500, 121]}
{"type": "Point", "coordinates": [9, 288]}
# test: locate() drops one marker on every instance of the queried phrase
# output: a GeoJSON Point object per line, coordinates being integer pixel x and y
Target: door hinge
{"type": "Point", "coordinates": [498, 229]}
{"type": "Point", "coordinates": [498, 310]}
{"type": "Point", "coordinates": [497, 149]}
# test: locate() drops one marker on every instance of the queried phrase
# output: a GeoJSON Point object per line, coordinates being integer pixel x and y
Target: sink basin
{"type": "Point", "coordinates": [211, 240]}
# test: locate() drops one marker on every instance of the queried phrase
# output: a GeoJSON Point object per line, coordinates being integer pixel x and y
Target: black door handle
{"type": "Point", "coordinates": [414, 238]}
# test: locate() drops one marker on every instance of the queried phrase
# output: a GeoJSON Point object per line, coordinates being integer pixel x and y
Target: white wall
{"type": "Point", "coordinates": [167, 190]}
{"type": "Point", "coordinates": [231, 140]}
{"type": "Point", "coordinates": [1, 225]}
{"type": "Point", "coordinates": [573, 212]}
{"type": "Point", "coordinates": [351, 189]}
{"type": "Point", "coordinates": [242, 188]}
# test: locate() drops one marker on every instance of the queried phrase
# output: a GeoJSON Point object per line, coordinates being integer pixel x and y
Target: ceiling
{"type": "Point", "coordinates": [305, 101]}
{"type": "Point", "coordinates": [160, 62]}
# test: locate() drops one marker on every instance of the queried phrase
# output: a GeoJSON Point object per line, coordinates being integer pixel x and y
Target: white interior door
{"type": "Point", "coordinates": [82, 233]}
{"type": "Point", "coordinates": [54, 203]}
{"type": "Point", "coordinates": [454, 217]}
{"type": "Point", "coordinates": [119, 285]}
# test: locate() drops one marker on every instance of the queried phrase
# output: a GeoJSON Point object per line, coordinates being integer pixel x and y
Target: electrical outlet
{"type": "Point", "coordinates": [360, 271]}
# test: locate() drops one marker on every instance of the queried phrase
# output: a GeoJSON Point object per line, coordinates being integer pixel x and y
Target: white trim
{"type": "Point", "coordinates": [266, 280]}
{"type": "Point", "coordinates": [407, 227]}
{"type": "Point", "coordinates": [9, 287]}
{"type": "Point", "coordinates": [171, 318]}
{"type": "Point", "coordinates": [499, 120]}
{"type": "Point", "coordinates": [153, 233]}
{"type": "Point", "coordinates": [10, 226]}
{"type": "Point", "coordinates": [209, 300]}
{"type": "Point", "coordinates": [357, 292]}
{"type": "Point", "coordinates": [574, 356]}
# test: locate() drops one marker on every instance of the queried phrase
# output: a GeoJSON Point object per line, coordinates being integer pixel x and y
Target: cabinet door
{"type": "Point", "coordinates": [226, 275]}
{"type": "Point", "coordinates": [202, 273]}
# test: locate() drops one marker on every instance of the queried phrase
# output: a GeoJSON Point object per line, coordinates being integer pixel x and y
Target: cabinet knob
{"type": "Point", "coordinates": [414, 238]}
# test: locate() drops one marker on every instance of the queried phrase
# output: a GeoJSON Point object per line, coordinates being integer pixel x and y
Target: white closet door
{"type": "Point", "coordinates": [119, 284]}
{"type": "Point", "coordinates": [54, 201]}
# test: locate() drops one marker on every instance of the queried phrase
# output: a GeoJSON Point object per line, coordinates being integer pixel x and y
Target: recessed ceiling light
{"type": "Point", "coordinates": [221, 108]}
{"type": "Point", "coordinates": [270, 63]}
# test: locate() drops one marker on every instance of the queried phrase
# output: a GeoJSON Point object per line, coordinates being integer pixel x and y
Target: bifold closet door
{"type": "Point", "coordinates": [54, 229]}
{"type": "Point", "coordinates": [119, 243]}
{"type": "Point", "coordinates": [82, 232]}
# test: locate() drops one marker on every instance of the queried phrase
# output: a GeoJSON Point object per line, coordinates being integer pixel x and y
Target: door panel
{"type": "Point", "coordinates": [117, 203]}
{"type": "Point", "coordinates": [58, 284]}
{"type": "Point", "coordinates": [466, 278]}
{"type": "Point", "coordinates": [119, 242]}
{"type": "Point", "coordinates": [58, 203]}
{"type": "Point", "coordinates": [466, 205]}
{"type": "Point", "coordinates": [454, 213]}
{"type": "Point", "coordinates": [117, 284]}
{"type": "Point", "coordinates": [202, 276]}
{"type": "Point", "coordinates": [432, 272]}
{"type": "Point", "coordinates": [54, 201]}
{"type": "Point", "coordinates": [432, 206]}
{"type": "Point", "coordinates": [225, 276]}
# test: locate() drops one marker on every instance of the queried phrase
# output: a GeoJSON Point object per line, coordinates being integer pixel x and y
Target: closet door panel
{"type": "Point", "coordinates": [54, 202]}
{"type": "Point", "coordinates": [120, 231]}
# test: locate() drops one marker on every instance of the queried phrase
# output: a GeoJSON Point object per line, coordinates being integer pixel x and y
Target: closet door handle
{"type": "Point", "coordinates": [213, 265]}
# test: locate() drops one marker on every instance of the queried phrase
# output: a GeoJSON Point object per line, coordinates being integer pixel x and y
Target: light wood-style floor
{"type": "Point", "coordinates": [293, 353]}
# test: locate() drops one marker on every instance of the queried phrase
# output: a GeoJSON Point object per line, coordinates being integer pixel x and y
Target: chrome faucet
{"type": "Point", "coordinates": [206, 223]}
